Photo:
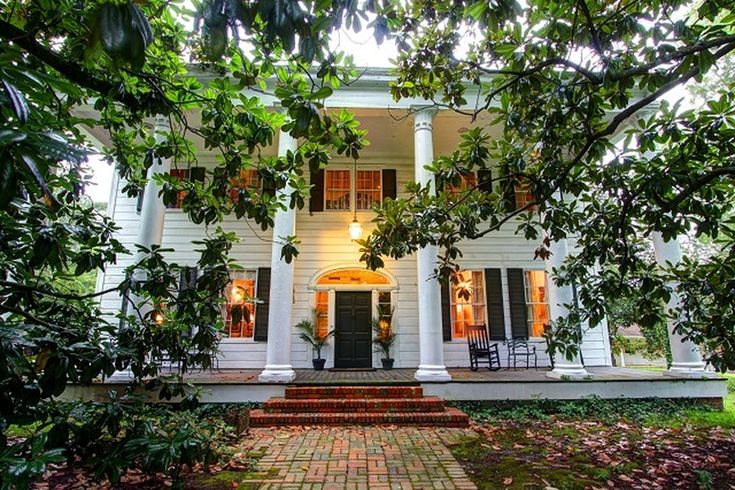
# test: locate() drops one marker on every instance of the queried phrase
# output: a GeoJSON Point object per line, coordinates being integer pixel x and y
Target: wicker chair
{"type": "Point", "coordinates": [481, 350]}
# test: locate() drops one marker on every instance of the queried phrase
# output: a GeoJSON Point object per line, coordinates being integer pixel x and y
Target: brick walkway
{"type": "Point", "coordinates": [359, 458]}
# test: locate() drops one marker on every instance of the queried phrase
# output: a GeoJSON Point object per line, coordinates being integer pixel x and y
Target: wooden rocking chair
{"type": "Point", "coordinates": [481, 350]}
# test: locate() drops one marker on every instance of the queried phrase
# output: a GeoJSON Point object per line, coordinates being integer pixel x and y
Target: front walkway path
{"type": "Point", "coordinates": [359, 458]}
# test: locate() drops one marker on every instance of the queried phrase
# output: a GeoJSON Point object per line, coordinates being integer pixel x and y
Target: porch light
{"type": "Point", "coordinates": [355, 229]}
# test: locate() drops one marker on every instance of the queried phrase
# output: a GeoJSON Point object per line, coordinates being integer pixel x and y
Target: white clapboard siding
{"type": "Point", "coordinates": [325, 243]}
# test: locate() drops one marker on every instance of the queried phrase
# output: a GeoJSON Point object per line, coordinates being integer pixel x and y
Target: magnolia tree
{"type": "Point", "coordinates": [563, 78]}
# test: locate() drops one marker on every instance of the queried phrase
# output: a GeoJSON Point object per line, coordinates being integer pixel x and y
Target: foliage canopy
{"type": "Point", "coordinates": [563, 78]}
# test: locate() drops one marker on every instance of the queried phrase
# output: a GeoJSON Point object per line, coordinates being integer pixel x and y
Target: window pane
{"type": "Point", "coordinates": [523, 194]}
{"type": "Point", "coordinates": [248, 179]}
{"type": "Point", "coordinates": [368, 188]}
{"type": "Point", "coordinates": [537, 302]}
{"type": "Point", "coordinates": [239, 296]}
{"type": "Point", "coordinates": [183, 174]}
{"type": "Point", "coordinates": [322, 312]}
{"type": "Point", "coordinates": [467, 181]}
{"type": "Point", "coordinates": [467, 310]}
{"type": "Point", "coordinates": [337, 190]}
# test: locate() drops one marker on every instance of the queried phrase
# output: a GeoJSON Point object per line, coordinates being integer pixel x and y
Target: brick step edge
{"type": "Point", "coordinates": [451, 417]}
{"type": "Point", "coordinates": [334, 405]}
{"type": "Point", "coordinates": [352, 392]}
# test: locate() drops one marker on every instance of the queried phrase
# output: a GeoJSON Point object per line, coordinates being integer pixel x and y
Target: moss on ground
{"type": "Point", "coordinates": [505, 468]}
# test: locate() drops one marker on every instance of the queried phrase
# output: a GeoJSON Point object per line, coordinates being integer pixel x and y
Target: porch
{"type": "Point", "coordinates": [242, 385]}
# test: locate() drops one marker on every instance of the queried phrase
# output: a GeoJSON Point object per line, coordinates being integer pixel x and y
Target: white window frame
{"type": "Point", "coordinates": [529, 304]}
{"type": "Point", "coordinates": [246, 273]}
{"type": "Point", "coordinates": [453, 304]}
{"type": "Point", "coordinates": [380, 188]}
{"type": "Point", "coordinates": [353, 187]}
{"type": "Point", "coordinates": [351, 197]}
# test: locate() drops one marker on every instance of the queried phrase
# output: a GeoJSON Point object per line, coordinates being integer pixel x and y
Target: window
{"type": "Point", "coordinates": [368, 189]}
{"type": "Point", "coordinates": [467, 302]}
{"type": "Point", "coordinates": [193, 174]}
{"type": "Point", "coordinates": [239, 311]}
{"type": "Point", "coordinates": [337, 190]}
{"type": "Point", "coordinates": [248, 179]}
{"type": "Point", "coordinates": [321, 312]}
{"type": "Point", "coordinates": [467, 181]}
{"type": "Point", "coordinates": [523, 194]}
{"type": "Point", "coordinates": [537, 302]}
{"type": "Point", "coordinates": [385, 309]}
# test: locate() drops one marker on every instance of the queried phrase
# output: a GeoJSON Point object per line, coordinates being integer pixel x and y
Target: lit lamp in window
{"type": "Point", "coordinates": [157, 317]}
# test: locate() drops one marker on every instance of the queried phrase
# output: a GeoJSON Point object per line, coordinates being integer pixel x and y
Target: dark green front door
{"type": "Point", "coordinates": [353, 335]}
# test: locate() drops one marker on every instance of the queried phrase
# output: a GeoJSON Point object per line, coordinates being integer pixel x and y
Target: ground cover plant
{"type": "Point", "coordinates": [596, 443]}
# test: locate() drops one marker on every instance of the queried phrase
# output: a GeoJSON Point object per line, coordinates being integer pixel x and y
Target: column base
{"type": "Point", "coordinates": [432, 373]}
{"type": "Point", "coordinates": [277, 373]}
{"type": "Point", "coordinates": [568, 371]}
{"type": "Point", "coordinates": [692, 370]}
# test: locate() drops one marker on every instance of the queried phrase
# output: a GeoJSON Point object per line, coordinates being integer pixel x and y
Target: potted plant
{"type": "Point", "coordinates": [310, 335]}
{"type": "Point", "coordinates": [384, 339]}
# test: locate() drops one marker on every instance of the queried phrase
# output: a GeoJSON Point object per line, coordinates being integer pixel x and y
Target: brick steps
{"type": "Point", "coordinates": [352, 392]}
{"type": "Point", "coordinates": [332, 405]}
{"type": "Point", "coordinates": [450, 417]}
{"type": "Point", "coordinates": [358, 405]}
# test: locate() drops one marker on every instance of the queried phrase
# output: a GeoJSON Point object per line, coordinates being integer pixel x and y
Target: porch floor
{"type": "Point", "coordinates": [242, 385]}
{"type": "Point", "coordinates": [406, 376]}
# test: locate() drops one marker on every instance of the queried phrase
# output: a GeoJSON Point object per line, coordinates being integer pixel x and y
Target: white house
{"type": "Point", "coordinates": [510, 290]}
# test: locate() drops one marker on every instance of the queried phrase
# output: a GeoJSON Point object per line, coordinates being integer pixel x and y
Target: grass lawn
{"type": "Point", "coordinates": [601, 444]}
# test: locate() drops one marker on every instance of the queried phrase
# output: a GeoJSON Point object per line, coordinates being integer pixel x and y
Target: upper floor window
{"type": "Point", "coordinates": [468, 180]}
{"type": "Point", "coordinates": [248, 179]}
{"type": "Point", "coordinates": [193, 174]}
{"type": "Point", "coordinates": [337, 190]}
{"type": "Point", "coordinates": [467, 302]}
{"type": "Point", "coordinates": [537, 302]}
{"type": "Point", "coordinates": [523, 194]}
{"type": "Point", "coordinates": [368, 185]}
{"type": "Point", "coordinates": [239, 314]}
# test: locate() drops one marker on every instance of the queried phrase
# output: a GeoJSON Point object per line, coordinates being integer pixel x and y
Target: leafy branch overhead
{"type": "Point", "coordinates": [571, 90]}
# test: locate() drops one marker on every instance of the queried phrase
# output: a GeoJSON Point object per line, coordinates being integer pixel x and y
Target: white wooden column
{"type": "Point", "coordinates": [686, 360]}
{"type": "Point", "coordinates": [278, 367]}
{"type": "Point", "coordinates": [559, 297]}
{"type": "Point", "coordinates": [153, 211]}
{"type": "Point", "coordinates": [431, 342]}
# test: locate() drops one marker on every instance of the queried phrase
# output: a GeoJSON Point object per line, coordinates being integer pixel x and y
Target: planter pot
{"type": "Point", "coordinates": [387, 363]}
{"type": "Point", "coordinates": [318, 364]}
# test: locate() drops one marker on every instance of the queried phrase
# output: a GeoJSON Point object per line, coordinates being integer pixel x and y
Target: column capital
{"type": "Point", "coordinates": [423, 117]}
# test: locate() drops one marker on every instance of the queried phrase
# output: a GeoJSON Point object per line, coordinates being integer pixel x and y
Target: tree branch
{"type": "Point", "coordinates": [698, 184]}
{"type": "Point", "coordinates": [591, 26]}
{"type": "Point", "coordinates": [73, 71]}
{"type": "Point", "coordinates": [26, 287]}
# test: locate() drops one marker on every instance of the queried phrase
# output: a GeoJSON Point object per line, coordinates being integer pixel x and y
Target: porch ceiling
{"type": "Point", "coordinates": [390, 132]}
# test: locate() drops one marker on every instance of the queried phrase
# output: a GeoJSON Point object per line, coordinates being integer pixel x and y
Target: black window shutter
{"type": "Point", "coordinates": [316, 196]}
{"type": "Point", "coordinates": [446, 315]}
{"type": "Point", "coordinates": [485, 180]}
{"type": "Point", "coordinates": [187, 280]}
{"type": "Point", "coordinates": [509, 194]}
{"type": "Point", "coordinates": [139, 203]}
{"type": "Point", "coordinates": [494, 298]}
{"type": "Point", "coordinates": [389, 183]}
{"type": "Point", "coordinates": [262, 293]}
{"type": "Point", "coordinates": [197, 174]}
{"type": "Point", "coordinates": [517, 296]}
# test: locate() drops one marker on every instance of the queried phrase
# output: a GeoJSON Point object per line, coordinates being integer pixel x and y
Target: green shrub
{"type": "Point", "coordinates": [111, 438]}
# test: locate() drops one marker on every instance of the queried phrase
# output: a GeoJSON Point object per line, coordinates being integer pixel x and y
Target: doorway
{"type": "Point", "coordinates": [353, 332]}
